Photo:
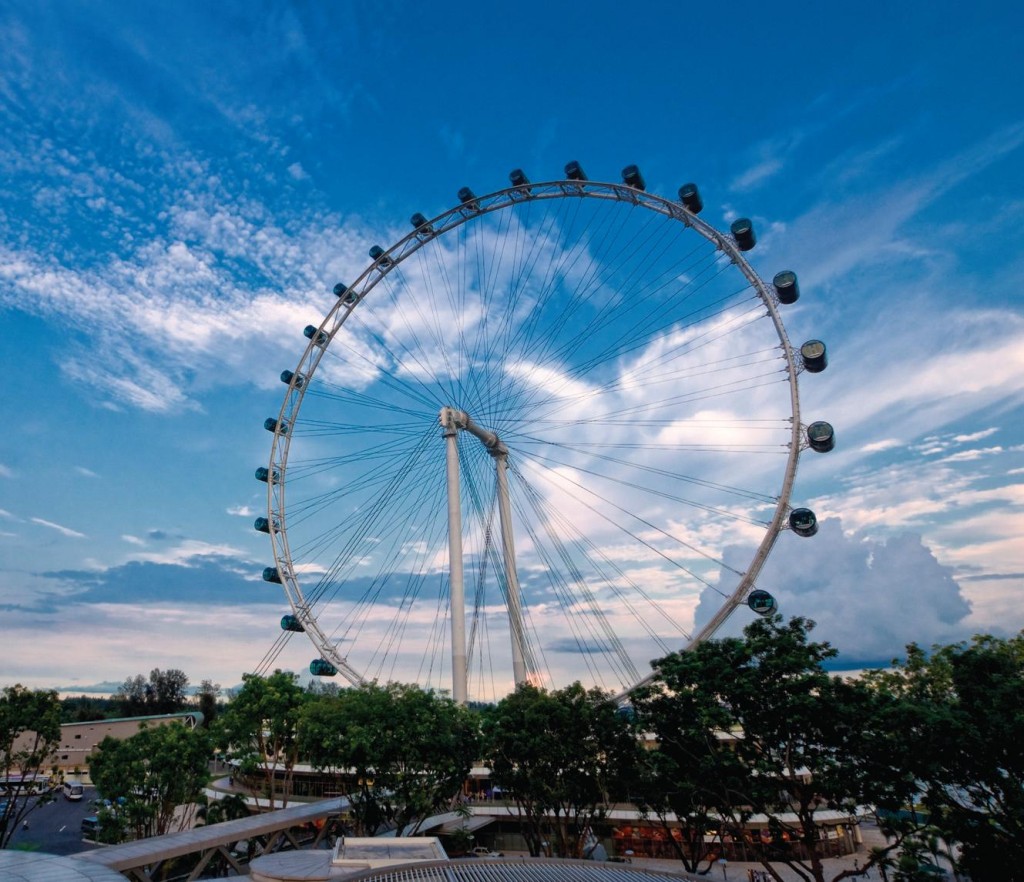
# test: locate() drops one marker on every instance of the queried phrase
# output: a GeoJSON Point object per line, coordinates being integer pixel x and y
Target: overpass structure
{"type": "Point", "coordinates": [305, 825]}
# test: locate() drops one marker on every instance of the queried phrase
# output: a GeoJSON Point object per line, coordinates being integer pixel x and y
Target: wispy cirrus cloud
{"type": "Point", "coordinates": [64, 531]}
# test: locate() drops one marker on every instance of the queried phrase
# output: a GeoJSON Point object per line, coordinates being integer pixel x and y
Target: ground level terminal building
{"type": "Point", "coordinates": [494, 820]}
{"type": "Point", "coordinates": [78, 741]}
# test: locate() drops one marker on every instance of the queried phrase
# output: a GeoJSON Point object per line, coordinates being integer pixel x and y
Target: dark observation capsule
{"type": "Point", "coordinates": [318, 337]}
{"type": "Point", "coordinates": [468, 198]}
{"type": "Point", "coordinates": [271, 574]}
{"type": "Point", "coordinates": [743, 232]}
{"type": "Point", "coordinates": [321, 668]}
{"type": "Point", "coordinates": [263, 474]}
{"type": "Point", "coordinates": [814, 356]}
{"type": "Point", "coordinates": [631, 177]}
{"type": "Point", "coordinates": [803, 522]}
{"type": "Point", "coordinates": [821, 436]}
{"type": "Point", "coordinates": [786, 287]}
{"type": "Point", "coordinates": [290, 623]}
{"type": "Point", "coordinates": [288, 376]}
{"type": "Point", "coordinates": [377, 254]}
{"type": "Point", "coordinates": [762, 602]}
{"type": "Point", "coordinates": [345, 293]}
{"type": "Point", "coordinates": [574, 171]}
{"type": "Point", "coordinates": [518, 178]}
{"type": "Point", "coordinates": [272, 425]}
{"type": "Point", "coordinates": [261, 525]}
{"type": "Point", "coordinates": [689, 195]}
{"type": "Point", "coordinates": [419, 222]}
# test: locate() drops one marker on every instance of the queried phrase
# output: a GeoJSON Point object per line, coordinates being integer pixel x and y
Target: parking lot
{"type": "Point", "coordinates": [55, 827]}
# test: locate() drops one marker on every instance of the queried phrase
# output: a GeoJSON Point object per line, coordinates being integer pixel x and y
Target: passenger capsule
{"type": "Point", "coordinates": [420, 223]}
{"type": "Point", "coordinates": [271, 574]}
{"type": "Point", "coordinates": [762, 602]}
{"type": "Point", "coordinates": [786, 287]}
{"type": "Point", "coordinates": [574, 171]}
{"type": "Point", "coordinates": [631, 177]}
{"type": "Point", "coordinates": [821, 437]}
{"type": "Point", "coordinates": [377, 254]}
{"type": "Point", "coordinates": [743, 232]}
{"type": "Point", "coordinates": [468, 198]}
{"type": "Point", "coordinates": [288, 376]}
{"type": "Point", "coordinates": [291, 623]}
{"type": "Point", "coordinates": [803, 522]}
{"type": "Point", "coordinates": [263, 474]}
{"type": "Point", "coordinates": [261, 525]}
{"type": "Point", "coordinates": [318, 337]}
{"type": "Point", "coordinates": [519, 180]}
{"type": "Point", "coordinates": [689, 195]}
{"type": "Point", "coordinates": [814, 356]}
{"type": "Point", "coordinates": [345, 293]}
{"type": "Point", "coordinates": [321, 668]}
{"type": "Point", "coordinates": [279, 426]}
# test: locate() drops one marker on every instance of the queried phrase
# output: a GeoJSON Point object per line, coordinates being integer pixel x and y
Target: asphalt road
{"type": "Point", "coordinates": [55, 827]}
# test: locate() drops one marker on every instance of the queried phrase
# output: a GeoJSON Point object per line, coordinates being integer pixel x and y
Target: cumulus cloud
{"type": "Point", "coordinates": [870, 597]}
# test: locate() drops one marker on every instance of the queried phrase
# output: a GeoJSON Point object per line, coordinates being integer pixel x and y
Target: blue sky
{"type": "Point", "coordinates": [182, 184]}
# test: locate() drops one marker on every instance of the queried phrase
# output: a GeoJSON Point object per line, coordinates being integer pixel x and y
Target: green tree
{"type": "Point", "coordinates": [691, 782]}
{"type": "Point", "coordinates": [965, 745]}
{"type": "Point", "coordinates": [806, 740]}
{"type": "Point", "coordinates": [206, 699]}
{"type": "Point", "coordinates": [407, 749]}
{"type": "Point", "coordinates": [29, 735]}
{"type": "Point", "coordinates": [154, 780]}
{"type": "Point", "coordinates": [259, 732]}
{"type": "Point", "coordinates": [564, 756]}
{"type": "Point", "coordinates": [162, 693]}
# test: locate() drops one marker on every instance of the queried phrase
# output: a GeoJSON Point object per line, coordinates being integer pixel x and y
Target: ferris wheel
{"type": "Point", "coordinates": [529, 436]}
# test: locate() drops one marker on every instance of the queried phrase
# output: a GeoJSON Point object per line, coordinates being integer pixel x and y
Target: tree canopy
{"type": "Point", "coordinates": [409, 750]}
{"type": "Point", "coordinates": [29, 734]}
{"type": "Point", "coordinates": [259, 732]}
{"type": "Point", "coordinates": [963, 725]}
{"type": "Point", "coordinates": [153, 780]}
{"type": "Point", "coordinates": [564, 757]}
{"type": "Point", "coordinates": [164, 692]}
{"type": "Point", "coordinates": [758, 725]}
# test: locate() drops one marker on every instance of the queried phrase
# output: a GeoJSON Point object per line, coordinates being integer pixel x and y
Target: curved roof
{"type": "Point", "coordinates": [34, 866]}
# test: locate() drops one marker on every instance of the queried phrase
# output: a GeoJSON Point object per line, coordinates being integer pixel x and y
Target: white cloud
{"type": "Point", "coordinates": [88, 473]}
{"type": "Point", "coordinates": [66, 531]}
{"type": "Point", "coordinates": [187, 551]}
{"type": "Point", "coordinates": [5, 472]}
{"type": "Point", "coordinates": [244, 511]}
{"type": "Point", "coordinates": [879, 446]}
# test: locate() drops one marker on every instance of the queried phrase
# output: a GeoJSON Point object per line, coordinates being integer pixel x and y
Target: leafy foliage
{"type": "Point", "coordinates": [162, 693]}
{"type": "Point", "coordinates": [965, 708]}
{"type": "Point", "coordinates": [408, 750]}
{"type": "Point", "coordinates": [152, 780]}
{"type": "Point", "coordinates": [259, 731]}
{"type": "Point", "coordinates": [757, 725]}
{"type": "Point", "coordinates": [29, 734]}
{"type": "Point", "coordinates": [564, 755]}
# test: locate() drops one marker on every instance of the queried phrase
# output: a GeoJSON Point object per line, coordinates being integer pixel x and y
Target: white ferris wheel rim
{"type": "Point", "coordinates": [388, 262]}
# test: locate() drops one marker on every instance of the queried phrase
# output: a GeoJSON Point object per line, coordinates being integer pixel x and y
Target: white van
{"type": "Point", "coordinates": [74, 790]}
